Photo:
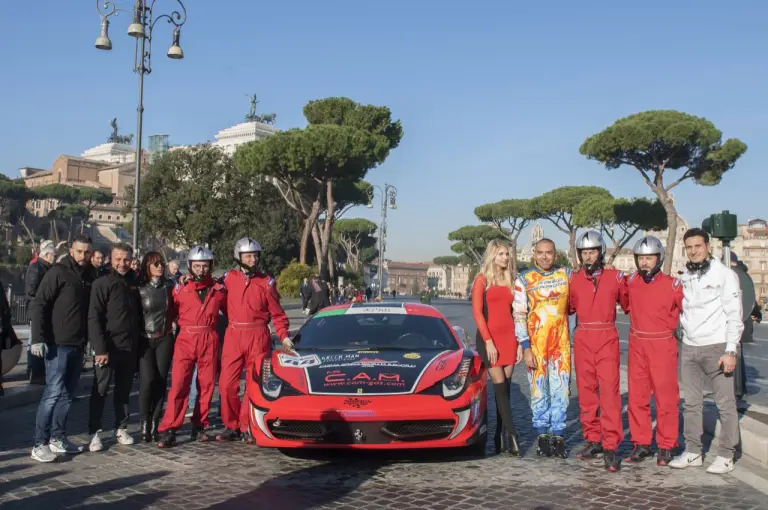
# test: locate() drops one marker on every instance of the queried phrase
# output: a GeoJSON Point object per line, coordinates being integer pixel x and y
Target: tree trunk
{"type": "Point", "coordinates": [29, 233]}
{"type": "Point", "coordinates": [331, 267]}
{"type": "Point", "coordinates": [669, 207]}
{"type": "Point", "coordinates": [318, 248]}
{"type": "Point", "coordinates": [513, 257]}
{"type": "Point", "coordinates": [309, 226]}
{"type": "Point", "coordinates": [325, 238]}
{"type": "Point", "coordinates": [572, 247]}
{"type": "Point", "coordinates": [611, 255]}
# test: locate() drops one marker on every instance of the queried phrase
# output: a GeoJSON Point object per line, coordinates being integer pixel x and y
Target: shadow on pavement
{"type": "Point", "coordinates": [306, 488]}
{"type": "Point", "coordinates": [68, 497]}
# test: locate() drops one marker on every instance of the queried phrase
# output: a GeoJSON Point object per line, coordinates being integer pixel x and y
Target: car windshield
{"type": "Point", "coordinates": [375, 331]}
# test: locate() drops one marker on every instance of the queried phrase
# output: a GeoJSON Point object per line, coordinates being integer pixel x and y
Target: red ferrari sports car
{"type": "Point", "coordinates": [371, 376]}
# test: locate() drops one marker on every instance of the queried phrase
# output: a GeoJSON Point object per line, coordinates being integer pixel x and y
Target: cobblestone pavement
{"type": "Point", "coordinates": [235, 475]}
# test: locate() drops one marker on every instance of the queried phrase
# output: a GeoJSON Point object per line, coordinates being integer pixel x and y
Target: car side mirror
{"type": "Point", "coordinates": [462, 334]}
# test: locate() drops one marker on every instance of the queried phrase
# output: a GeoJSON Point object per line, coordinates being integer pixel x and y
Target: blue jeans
{"type": "Point", "coordinates": [63, 365]}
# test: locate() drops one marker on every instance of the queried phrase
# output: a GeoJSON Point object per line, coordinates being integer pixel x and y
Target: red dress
{"type": "Point", "coordinates": [500, 326]}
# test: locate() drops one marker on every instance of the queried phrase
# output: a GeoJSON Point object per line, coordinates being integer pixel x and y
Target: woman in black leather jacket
{"type": "Point", "coordinates": [156, 344]}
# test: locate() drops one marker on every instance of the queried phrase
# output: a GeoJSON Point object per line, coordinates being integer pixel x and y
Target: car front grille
{"type": "Point", "coordinates": [367, 432]}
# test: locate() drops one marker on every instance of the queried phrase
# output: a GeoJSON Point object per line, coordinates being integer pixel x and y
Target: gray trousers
{"type": "Point", "coordinates": [698, 363]}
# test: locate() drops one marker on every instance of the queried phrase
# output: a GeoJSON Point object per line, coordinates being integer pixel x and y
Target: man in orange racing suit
{"type": "Point", "coordinates": [595, 292]}
{"type": "Point", "coordinates": [541, 317]}
{"type": "Point", "coordinates": [198, 302]}
{"type": "Point", "coordinates": [654, 303]}
{"type": "Point", "coordinates": [252, 301]}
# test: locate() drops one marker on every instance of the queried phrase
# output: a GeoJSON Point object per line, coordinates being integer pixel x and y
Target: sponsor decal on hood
{"type": "Point", "coordinates": [365, 372]}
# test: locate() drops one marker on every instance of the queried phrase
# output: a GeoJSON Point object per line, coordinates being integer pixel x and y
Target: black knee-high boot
{"type": "Point", "coordinates": [508, 439]}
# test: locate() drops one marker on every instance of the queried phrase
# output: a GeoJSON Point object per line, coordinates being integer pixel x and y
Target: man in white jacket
{"type": "Point", "coordinates": [712, 328]}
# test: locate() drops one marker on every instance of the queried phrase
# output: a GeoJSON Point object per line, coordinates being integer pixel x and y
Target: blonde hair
{"type": "Point", "coordinates": [494, 275]}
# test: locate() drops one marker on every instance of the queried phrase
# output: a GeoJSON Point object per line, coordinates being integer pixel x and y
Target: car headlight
{"type": "Point", "coordinates": [271, 385]}
{"type": "Point", "coordinates": [455, 383]}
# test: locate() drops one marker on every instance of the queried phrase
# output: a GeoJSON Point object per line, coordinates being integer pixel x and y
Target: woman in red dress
{"type": "Point", "coordinates": [492, 294]}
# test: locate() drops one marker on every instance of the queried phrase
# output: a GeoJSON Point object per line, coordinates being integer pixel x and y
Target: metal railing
{"type": "Point", "coordinates": [18, 304]}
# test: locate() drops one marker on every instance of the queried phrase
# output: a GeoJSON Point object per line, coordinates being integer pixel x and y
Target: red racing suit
{"type": "Point", "coordinates": [596, 350]}
{"type": "Point", "coordinates": [654, 313]}
{"type": "Point", "coordinates": [251, 303]}
{"type": "Point", "coordinates": [197, 306]}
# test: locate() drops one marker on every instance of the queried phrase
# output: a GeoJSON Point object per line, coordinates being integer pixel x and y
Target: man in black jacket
{"type": "Point", "coordinates": [32, 279]}
{"type": "Point", "coordinates": [59, 316]}
{"type": "Point", "coordinates": [114, 321]}
{"type": "Point", "coordinates": [319, 297]}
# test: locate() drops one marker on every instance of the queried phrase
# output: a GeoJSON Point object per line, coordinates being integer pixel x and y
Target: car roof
{"type": "Point", "coordinates": [384, 307]}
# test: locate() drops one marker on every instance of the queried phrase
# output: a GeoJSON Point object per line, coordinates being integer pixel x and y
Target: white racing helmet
{"type": "Point", "coordinates": [649, 245]}
{"type": "Point", "coordinates": [199, 254]}
{"type": "Point", "coordinates": [591, 240]}
{"type": "Point", "coordinates": [246, 245]}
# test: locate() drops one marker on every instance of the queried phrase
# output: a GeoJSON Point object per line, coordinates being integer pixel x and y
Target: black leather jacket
{"type": "Point", "coordinates": [157, 307]}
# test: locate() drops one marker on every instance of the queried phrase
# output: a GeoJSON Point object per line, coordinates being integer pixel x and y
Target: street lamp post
{"type": "Point", "coordinates": [388, 196]}
{"type": "Point", "coordinates": [141, 28]}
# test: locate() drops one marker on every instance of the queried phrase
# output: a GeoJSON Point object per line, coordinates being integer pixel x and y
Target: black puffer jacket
{"type": "Point", "coordinates": [114, 317]}
{"type": "Point", "coordinates": [59, 312]}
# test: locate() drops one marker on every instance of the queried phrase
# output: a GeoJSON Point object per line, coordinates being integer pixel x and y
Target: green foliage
{"type": "Point", "coordinates": [353, 234]}
{"type": "Point", "coordinates": [197, 196]}
{"type": "Point", "coordinates": [352, 277]}
{"type": "Point", "coordinates": [472, 240]}
{"type": "Point", "coordinates": [22, 255]}
{"type": "Point", "coordinates": [290, 278]}
{"type": "Point", "coordinates": [446, 260]}
{"type": "Point", "coordinates": [509, 217]}
{"type": "Point", "coordinates": [659, 140]}
{"type": "Point", "coordinates": [318, 169]}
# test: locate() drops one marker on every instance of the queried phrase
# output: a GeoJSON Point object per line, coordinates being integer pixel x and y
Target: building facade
{"type": "Point", "coordinates": [407, 277]}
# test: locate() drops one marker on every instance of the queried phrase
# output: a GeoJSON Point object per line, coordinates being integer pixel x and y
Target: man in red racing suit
{"type": "Point", "coordinates": [198, 301]}
{"type": "Point", "coordinates": [654, 303]}
{"type": "Point", "coordinates": [594, 294]}
{"type": "Point", "coordinates": [252, 301]}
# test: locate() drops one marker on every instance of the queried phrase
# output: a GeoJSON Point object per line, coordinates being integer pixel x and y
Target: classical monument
{"type": "Point", "coordinates": [525, 252]}
{"type": "Point", "coordinates": [255, 127]}
{"type": "Point", "coordinates": [117, 150]}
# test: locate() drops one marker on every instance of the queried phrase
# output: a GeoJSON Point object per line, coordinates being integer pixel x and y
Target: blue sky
{"type": "Point", "coordinates": [495, 96]}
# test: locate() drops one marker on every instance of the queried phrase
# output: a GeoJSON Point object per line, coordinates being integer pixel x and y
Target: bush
{"type": "Point", "coordinates": [289, 281]}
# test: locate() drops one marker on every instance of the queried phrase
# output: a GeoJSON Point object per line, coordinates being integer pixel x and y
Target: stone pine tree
{"type": "Point", "coordinates": [471, 240]}
{"type": "Point", "coordinates": [620, 219]}
{"type": "Point", "coordinates": [558, 206]}
{"type": "Point", "coordinates": [509, 217]}
{"type": "Point", "coordinates": [658, 142]}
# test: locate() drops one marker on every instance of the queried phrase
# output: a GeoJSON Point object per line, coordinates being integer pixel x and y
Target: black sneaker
{"type": "Point", "coordinates": [590, 451]}
{"type": "Point", "coordinates": [664, 457]}
{"type": "Point", "coordinates": [611, 461]}
{"type": "Point", "coordinates": [229, 435]}
{"type": "Point", "coordinates": [544, 445]}
{"type": "Point", "coordinates": [558, 447]}
{"type": "Point", "coordinates": [639, 454]}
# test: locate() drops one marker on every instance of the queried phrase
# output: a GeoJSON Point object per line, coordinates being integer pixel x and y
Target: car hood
{"type": "Point", "coordinates": [352, 372]}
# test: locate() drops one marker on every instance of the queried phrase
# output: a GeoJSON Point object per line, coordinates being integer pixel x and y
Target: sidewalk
{"type": "Point", "coordinates": [18, 391]}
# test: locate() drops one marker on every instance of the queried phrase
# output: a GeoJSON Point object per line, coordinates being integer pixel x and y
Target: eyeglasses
{"type": "Point", "coordinates": [157, 263]}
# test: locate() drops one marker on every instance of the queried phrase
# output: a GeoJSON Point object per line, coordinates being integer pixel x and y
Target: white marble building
{"type": "Point", "coordinates": [231, 138]}
{"type": "Point", "coordinates": [116, 153]}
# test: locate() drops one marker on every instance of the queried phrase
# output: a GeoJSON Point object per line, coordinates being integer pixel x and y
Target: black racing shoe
{"type": "Point", "coordinates": [558, 447]}
{"type": "Point", "coordinates": [664, 457]}
{"type": "Point", "coordinates": [229, 435]}
{"type": "Point", "coordinates": [199, 434]}
{"type": "Point", "coordinates": [544, 446]}
{"type": "Point", "coordinates": [611, 461]}
{"type": "Point", "coordinates": [639, 454]}
{"type": "Point", "coordinates": [167, 439]}
{"type": "Point", "coordinates": [590, 451]}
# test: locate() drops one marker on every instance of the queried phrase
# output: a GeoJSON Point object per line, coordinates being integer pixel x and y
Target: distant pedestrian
{"type": "Point", "coordinates": [59, 332]}
{"type": "Point", "coordinates": [114, 319]}
{"type": "Point", "coordinates": [320, 295]}
{"type": "Point", "coordinates": [34, 275]}
{"type": "Point", "coordinates": [8, 338]}
{"type": "Point", "coordinates": [712, 328]}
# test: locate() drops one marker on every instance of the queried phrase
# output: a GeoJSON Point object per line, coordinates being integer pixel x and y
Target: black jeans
{"type": "Point", "coordinates": [155, 355]}
{"type": "Point", "coordinates": [121, 367]}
